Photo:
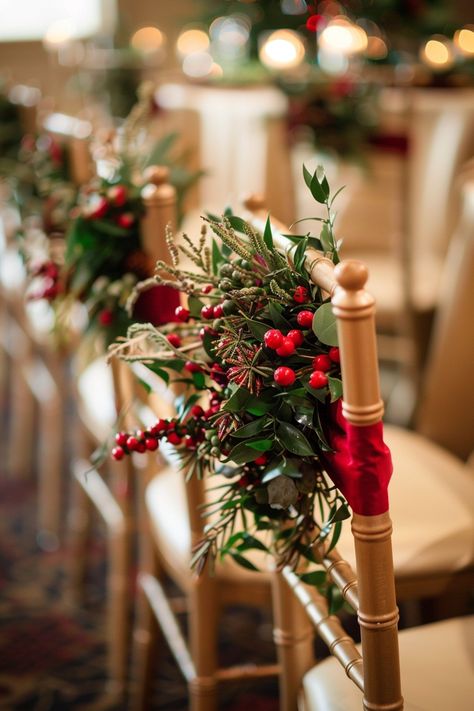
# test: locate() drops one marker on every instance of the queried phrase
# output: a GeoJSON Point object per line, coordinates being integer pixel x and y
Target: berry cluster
{"type": "Point", "coordinates": [48, 272]}
{"type": "Point", "coordinates": [102, 205]}
{"type": "Point", "coordinates": [286, 346]}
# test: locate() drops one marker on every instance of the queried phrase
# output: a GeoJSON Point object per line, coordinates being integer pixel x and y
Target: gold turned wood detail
{"type": "Point", "coordinates": [378, 612]}
{"type": "Point", "coordinates": [354, 309]}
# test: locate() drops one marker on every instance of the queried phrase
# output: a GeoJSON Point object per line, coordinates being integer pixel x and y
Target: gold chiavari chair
{"type": "Point", "coordinates": [432, 496]}
{"type": "Point", "coordinates": [38, 371]}
{"type": "Point", "coordinates": [436, 660]}
{"type": "Point", "coordinates": [105, 395]}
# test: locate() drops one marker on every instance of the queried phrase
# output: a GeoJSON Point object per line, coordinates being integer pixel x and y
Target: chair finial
{"type": "Point", "coordinates": [156, 174]}
{"type": "Point", "coordinates": [351, 275]}
{"type": "Point", "coordinates": [255, 202]}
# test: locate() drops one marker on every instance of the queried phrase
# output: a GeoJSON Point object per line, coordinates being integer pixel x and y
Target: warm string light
{"type": "Point", "coordinates": [283, 49]}
{"type": "Point", "coordinates": [148, 41]}
{"type": "Point", "coordinates": [437, 53]}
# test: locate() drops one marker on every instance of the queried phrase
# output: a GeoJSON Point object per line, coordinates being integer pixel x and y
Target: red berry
{"type": "Point", "coordinates": [300, 295]}
{"type": "Point", "coordinates": [192, 367]}
{"type": "Point", "coordinates": [141, 447]}
{"type": "Point", "coordinates": [296, 336]}
{"type": "Point", "coordinates": [197, 411]}
{"type": "Point", "coordinates": [105, 317]}
{"type": "Point", "coordinates": [189, 442]}
{"type": "Point", "coordinates": [287, 348]}
{"type": "Point", "coordinates": [207, 288]}
{"type": "Point", "coordinates": [261, 460]}
{"type": "Point", "coordinates": [322, 362]}
{"type": "Point", "coordinates": [305, 319]}
{"type": "Point", "coordinates": [98, 208]}
{"type": "Point", "coordinates": [207, 312]}
{"type": "Point", "coordinates": [334, 354]}
{"type": "Point", "coordinates": [173, 438]}
{"type": "Point", "coordinates": [318, 379]}
{"type": "Point", "coordinates": [151, 444]}
{"type": "Point", "coordinates": [273, 338]}
{"type": "Point", "coordinates": [174, 340]}
{"type": "Point", "coordinates": [118, 453]}
{"type": "Point", "coordinates": [160, 426]}
{"type": "Point", "coordinates": [50, 292]}
{"type": "Point", "coordinates": [218, 311]}
{"type": "Point", "coordinates": [140, 435]}
{"type": "Point", "coordinates": [117, 194]}
{"type": "Point", "coordinates": [182, 314]}
{"type": "Point", "coordinates": [284, 376]}
{"type": "Point", "coordinates": [132, 443]}
{"type": "Point", "coordinates": [207, 331]}
{"type": "Point", "coordinates": [121, 438]}
{"type": "Point", "coordinates": [126, 220]}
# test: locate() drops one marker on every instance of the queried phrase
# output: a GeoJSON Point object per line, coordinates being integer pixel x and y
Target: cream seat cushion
{"type": "Point", "coordinates": [437, 666]}
{"type": "Point", "coordinates": [167, 506]}
{"type": "Point", "coordinates": [431, 505]}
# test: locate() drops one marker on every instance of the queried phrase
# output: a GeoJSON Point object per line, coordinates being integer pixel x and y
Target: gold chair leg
{"type": "Point", "coordinates": [203, 631]}
{"type": "Point", "coordinates": [79, 535]}
{"type": "Point", "coordinates": [145, 639]}
{"type": "Point", "coordinates": [20, 455]}
{"type": "Point", "coordinates": [50, 474]}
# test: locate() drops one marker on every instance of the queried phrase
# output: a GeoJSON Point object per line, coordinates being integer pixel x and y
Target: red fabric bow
{"type": "Point", "coordinates": [157, 305]}
{"type": "Point", "coordinates": [361, 465]}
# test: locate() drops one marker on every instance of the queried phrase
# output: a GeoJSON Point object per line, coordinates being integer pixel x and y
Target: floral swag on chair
{"type": "Point", "coordinates": [256, 347]}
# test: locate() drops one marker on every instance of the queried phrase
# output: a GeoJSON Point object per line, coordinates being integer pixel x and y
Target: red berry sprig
{"type": "Point", "coordinates": [301, 295]}
{"type": "Point", "coordinates": [284, 376]}
{"type": "Point", "coordinates": [305, 319]}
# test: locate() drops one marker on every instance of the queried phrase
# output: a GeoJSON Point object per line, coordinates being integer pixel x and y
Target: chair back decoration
{"type": "Point", "coordinates": [258, 414]}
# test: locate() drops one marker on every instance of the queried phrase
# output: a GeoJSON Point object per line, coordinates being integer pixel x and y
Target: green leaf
{"type": "Point", "coordinates": [336, 532]}
{"type": "Point", "coordinates": [261, 445]}
{"type": "Point", "coordinates": [326, 238]}
{"type": "Point", "coordinates": [317, 190]}
{"type": "Point", "coordinates": [300, 255]}
{"type": "Point", "coordinates": [258, 406]}
{"type": "Point", "coordinates": [267, 234]}
{"type": "Point", "coordinates": [257, 328]}
{"type": "Point", "coordinates": [251, 429]}
{"type": "Point", "coordinates": [237, 223]}
{"type": "Point", "coordinates": [195, 305]}
{"type": "Point", "coordinates": [242, 453]}
{"type": "Point", "coordinates": [335, 388]}
{"type": "Point", "coordinates": [250, 542]}
{"type": "Point", "coordinates": [199, 380]}
{"type": "Point", "coordinates": [241, 560]}
{"type": "Point", "coordinates": [275, 313]}
{"type": "Point", "coordinates": [108, 228]}
{"type": "Point", "coordinates": [217, 258]}
{"type": "Point", "coordinates": [294, 440]}
{"type": "Point", "coordinates": [237, 400]}
{"type": "Point", "coordinates": [316, 578]}
{"type": "Point", "coordinates": [307, 176]}
{"type": "Point", "coordinates": [335, 599]}
{"type": "Point", "coordinates": [324, 325]}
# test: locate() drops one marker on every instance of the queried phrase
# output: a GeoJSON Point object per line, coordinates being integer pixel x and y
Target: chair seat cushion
{"type": "Point", "coordinates": [167, 506]}
{"type": "Point", "coordinates": [431, 505]}
{"type": "Point", "coordinates": [437, 665]}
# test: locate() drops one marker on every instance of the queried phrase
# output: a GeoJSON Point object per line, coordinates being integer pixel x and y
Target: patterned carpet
{"type": "Point", "coordinates": [52, 657]}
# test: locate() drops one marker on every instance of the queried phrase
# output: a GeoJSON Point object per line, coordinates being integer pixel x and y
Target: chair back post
{"type": "Point", "coordinates": [160, 200]}
{"type": "Point", "coordinates": [354, 309]}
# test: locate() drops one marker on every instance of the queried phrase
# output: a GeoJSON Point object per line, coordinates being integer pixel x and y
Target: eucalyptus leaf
{"type": "Point", "coordinates": [242, 453]}
{"type": "Point", "coordinates": [324, 325]}
{"type": "Point", "coordinates": [195, 305]}
{"type": "Point", "coordinates": [318, 191]}
{"type": "Point", "coordinates": [335, 388]}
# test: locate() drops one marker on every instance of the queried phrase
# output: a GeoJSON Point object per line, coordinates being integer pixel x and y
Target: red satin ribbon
{"type": "Point", "coordinates": [361, 465]}
{"type": "Point", "coordinates": [157, 305]}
